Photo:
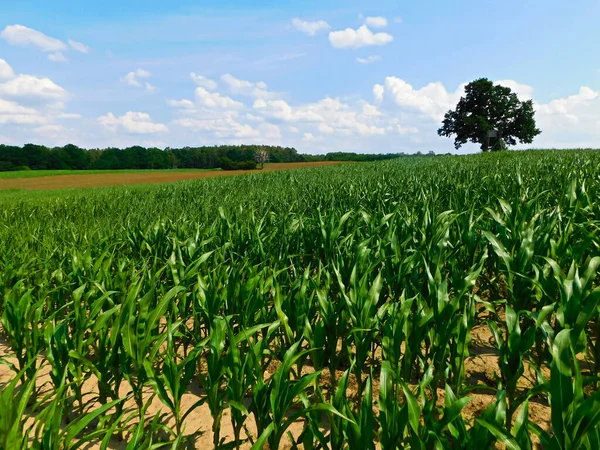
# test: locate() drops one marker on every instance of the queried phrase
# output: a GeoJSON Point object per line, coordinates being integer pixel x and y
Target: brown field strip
{"type": "Point", "coordinates": [120, 179]}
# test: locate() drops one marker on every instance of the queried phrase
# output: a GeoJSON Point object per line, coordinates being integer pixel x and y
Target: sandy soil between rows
{"type": "Point", "coordinates": [120, 179]}
{"type": "Point", "coordinates": [481, 366]}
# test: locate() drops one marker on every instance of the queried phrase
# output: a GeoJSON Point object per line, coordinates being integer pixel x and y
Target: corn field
{"type": "Point", "coordinates": [419, 303]}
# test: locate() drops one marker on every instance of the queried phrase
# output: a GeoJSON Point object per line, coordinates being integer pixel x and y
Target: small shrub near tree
{"type": "Point", "coordinates": [6, 166]}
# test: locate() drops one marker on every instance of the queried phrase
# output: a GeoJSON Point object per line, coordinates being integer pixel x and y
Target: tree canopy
{"type": "Point", "coordinates": [226, 157]}
{"type": "Point", "coordinates": [487, 106]}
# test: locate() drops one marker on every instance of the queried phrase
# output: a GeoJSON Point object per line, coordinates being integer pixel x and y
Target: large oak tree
{"type": "Point", "coordinates": [487, 106]}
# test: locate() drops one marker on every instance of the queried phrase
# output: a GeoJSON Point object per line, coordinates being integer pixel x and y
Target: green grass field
{"type": "Point", "coordinates": [51, 173]}
{"type": "Point", "coordinates": [447, 302]}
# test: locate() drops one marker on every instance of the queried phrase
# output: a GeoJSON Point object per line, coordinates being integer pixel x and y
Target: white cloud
{"type": "Point", "coordinates": [243, 87]}
{"type": "Point", "coordinates": [49, 129]}
{"type": "Point", "coordinates": [48, 98]}
{"type": "Point", "coordinates": [30, 86]}
{"type": "Point", "coordinates": [6, 71]}
{"type": "Point", "coordinates": [376, 22]}
{"type": "Point", "coordinates": [432, 100]}
{"type": "Point", "coordinates": [407, 130]}
{"type": "Point", "coordinates": [132, 122]}
{"type": "Point", "coordinates": [11, 112]}
{"type": "Point", "coordinates": [78, 46]}
{"type": "Point", "coordinates": [571, 104]}
{"type": "Point", "coordinates": [371, 110]}
{"type": "Point", "coordinates": [135, 79]}
{"type": "Point", "coordinates": [324, 128]}
{"type": "Point", "coordinates": [204, 82]}
{"type": "Point", "coordinates": [572, 121]}
{"type": "Point", "coordinates": [28, 37]}
{"type": "Point", "coordinates": [309, 137]}
{"type": "Point", "coordinates": [68, 116]}
{"type": "Point", "coordinates": [363, 37]}
{"type": "Point", "coordinates": [57, 57]}
{"type": "Point", "coordinates": [227, 125]}
{"type": "Point", "coordinates": [523, 91]}
{"type": "Point", "coordinates": [149, 87]}
{"type": "Point", "coordinates": [369, 59]}
{"type": "Point", "coordinates": [215, 100]}
{"type": "Point", "coordinates": [132, 78]}
{"type": "Point", "coordinates": [254, 118]}
{"type": "Point", "coordinates": [398, 20]}
{"type": "Point", "coordinates": [577, 114]}
{"type": "Point", "coordinates": [183, 104]}
{"type": "Point", "coordinates": [310, 28]}
{"type": "Point", "coordinates": [294, 129]}
{"type": "Point", "coordinates": [280, 109]}
{"type": "Point", "coordinates": [378, 91]}
{"type": "Point", "coordinates": [329, 115]}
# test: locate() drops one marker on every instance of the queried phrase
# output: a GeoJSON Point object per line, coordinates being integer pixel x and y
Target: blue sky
{"type": "Point", "coordinates": [319, 76]}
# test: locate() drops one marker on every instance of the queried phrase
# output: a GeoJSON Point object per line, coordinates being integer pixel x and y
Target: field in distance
{"type": "Point", "coordinates": [66, 179]}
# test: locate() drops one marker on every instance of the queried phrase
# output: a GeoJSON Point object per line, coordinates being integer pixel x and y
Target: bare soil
{"type": "Point", "coordinates": [121, 179]}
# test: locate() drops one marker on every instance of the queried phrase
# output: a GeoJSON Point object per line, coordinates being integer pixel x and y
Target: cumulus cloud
{"type": "Point", "coordinates": [243, 87]}
{"type": "Point", "coordinates": [281, 110]}
{"type": "Point", "coordinates": [371, 110]}
{"type": "Point", "coordinates": [50, 130]}
{"type": "Point", "coordinates": [132, 78]}
{"type": "Point", "coordinates": [572, 121]}
{"type": "Point", "coordinates": [28, 37]}
{"type": "Point", "coordinates": [30, 86]}
{"type": "Point", "coordinates": [11, 112]}
{"type": "Point", "coordinates": [228, 125]}
{"type": "Point", "coordinates": [135, 79]}
{"type": "Point", "coordinates": [376, 22]}
{"type": "Point", "coordinates": [363, 37]}
{"type": "Point", "coordinates": [204, 82]}
{"type": "Point", "coordinates": [215, 100]}
{"type": "Point", "coordinates": [254, 118]}
{"type": "Point", "coordinates": [407, 130]}
{"type": "Point", "coordinates": [310, 28]}
{"type": "Point", "coordinates": [329, 115]}
{"type": "Point", "coordinates": [571, 104]}
{"type": "Point", "coordinates": [132, 122]}
{"type": "Point", "coordinates": [78, 46]}
{"type": "Point", "coordinates": [6, 71]}
{"type": "Point", "coordinates": [309, 137]}
{"type": "Point", "coordinates": [378, 91]}
{"type": "Point", "coordinates": [68, 116]}
{"type": "Point", "coordinates": [26, 101]}
{"type": "Point", "coordinates": [523, 91]}
{"type": "Point", "coordinates": [432, 100]}
{"type": "Point", "coordinates": [183, 104]}
{"type": "Point", "coordinates": [369, 59]}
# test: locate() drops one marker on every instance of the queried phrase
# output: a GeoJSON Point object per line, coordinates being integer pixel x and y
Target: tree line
{"type": "Point", "coordinates": [226, 157]}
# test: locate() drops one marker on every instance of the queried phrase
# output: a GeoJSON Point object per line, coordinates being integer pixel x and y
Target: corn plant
{"type": "Point", "coordinates": [257, 292]}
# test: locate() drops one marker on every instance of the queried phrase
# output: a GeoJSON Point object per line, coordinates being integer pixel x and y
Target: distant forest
{"type": "Point", "coordinates": [227, 157]}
